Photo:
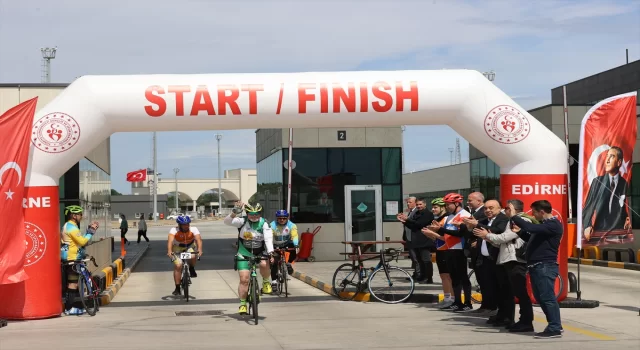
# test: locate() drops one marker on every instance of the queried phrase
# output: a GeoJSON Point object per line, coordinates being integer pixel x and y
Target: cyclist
{"type": "Point", "coordinates": [454, 231]}
{"type": "Point", "coordinates": [72, 249]}
{"type": "Point", "coordinates": [285, 235]}
{"type": "Point", "coordinates": [440, 214]}
{"type": "Point", "coordinates": [183, 238]}
{"type": "Point", "coordinates": [255, 238]}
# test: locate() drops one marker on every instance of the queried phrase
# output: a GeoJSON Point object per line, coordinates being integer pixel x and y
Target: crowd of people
{"type": "Point", "coordinates": [501, 244]}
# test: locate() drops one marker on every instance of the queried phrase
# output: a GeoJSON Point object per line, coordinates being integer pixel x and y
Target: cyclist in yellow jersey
{"type": "Point", "coordinates": [184, 238]}
{"type": "Point", "coordinates": [72, 243]}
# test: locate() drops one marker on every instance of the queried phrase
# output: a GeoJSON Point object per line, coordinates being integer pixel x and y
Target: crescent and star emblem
{"type": "Point", "coordinates": [17, 169]}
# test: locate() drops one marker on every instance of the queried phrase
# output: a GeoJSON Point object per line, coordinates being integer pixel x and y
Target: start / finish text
{"type": "Point", "coordinates": [231, 99]}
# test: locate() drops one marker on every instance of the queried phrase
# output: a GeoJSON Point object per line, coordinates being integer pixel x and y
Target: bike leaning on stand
{"type": "Point", "coordinates": [395, 284]}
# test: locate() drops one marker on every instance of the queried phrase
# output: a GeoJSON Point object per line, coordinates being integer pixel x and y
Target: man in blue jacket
{"type": "Point", "coordinates": [543, 243]}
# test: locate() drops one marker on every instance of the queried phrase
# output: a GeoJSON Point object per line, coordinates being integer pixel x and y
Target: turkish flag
{"type": "Point", "coordinates": [15, 133]}
{"type": "Point", "coordinates": [607, 138]}
{"type": "Point", "coordinates": [137, 176]}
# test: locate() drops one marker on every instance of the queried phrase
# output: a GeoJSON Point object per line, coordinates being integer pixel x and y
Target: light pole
{"type": "Point", "coordinates": [155, 179]}
{"type": "Point", "coordinates": [48, 54]}
{"type": "Point", "coordinates": [175, 171]}
{"type": "Point", "coordinates": [218, 138]}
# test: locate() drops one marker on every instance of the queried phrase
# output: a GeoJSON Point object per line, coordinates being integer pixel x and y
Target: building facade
{"type": "Point", "coordinates": [346, 181]}
{"type": "Point", "coordinates": [135, 206]}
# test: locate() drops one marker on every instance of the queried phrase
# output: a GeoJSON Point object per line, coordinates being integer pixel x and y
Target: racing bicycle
{"type": "Point", "coordinates": [253, 296]}
{"type": "Point", "coordinates": [283, 275]}
{"type": "Point", "coordinates": [185, 276]}
{"type": "Point", "coordinates": [395, 284]}
{"type": "Point", "coordinates": [87, 286]}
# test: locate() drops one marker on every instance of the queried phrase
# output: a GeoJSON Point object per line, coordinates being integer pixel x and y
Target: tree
{"type": "Point", "coordinates": [115, 193]}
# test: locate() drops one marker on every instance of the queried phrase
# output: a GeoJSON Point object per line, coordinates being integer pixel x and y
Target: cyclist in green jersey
{"type": "Point", "coordinates": [255, 238]}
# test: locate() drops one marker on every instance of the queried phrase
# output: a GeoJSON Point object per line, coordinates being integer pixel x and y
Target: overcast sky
{"type": "Point", "coordinates": [533, 46]}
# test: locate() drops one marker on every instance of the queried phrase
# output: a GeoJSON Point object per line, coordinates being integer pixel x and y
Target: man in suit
{"type": "Point", "coordinates": [605, 208]}
{"type": "Point", "coordinates": [420, 246]}
{"type": "Point", "coordinates": [406, 233]}
{"type": "Point", "coordinates": [486, 256]}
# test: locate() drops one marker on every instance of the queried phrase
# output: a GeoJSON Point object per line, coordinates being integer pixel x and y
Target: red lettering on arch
{"type": "Point", "coordinates": [231, 100]}
{"type": "Point", "coordinates": [253, 96]}
{"type": "Point", "coordinates": [378, 92]}
{"type": "Point", "coordinates": [202, 102]}
{"type": "Point", "coordinates": [179, 91]}
{"type": "Point", "coordinates": [304, 96]}
{"type": "Point", "coordinates": [411, 94]}
{"type": "Point", "coordinates": [152, 94]}
{"type": "Point", "coordinates": [347, 97]}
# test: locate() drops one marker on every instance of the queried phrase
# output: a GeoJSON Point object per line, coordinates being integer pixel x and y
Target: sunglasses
{"type": "Point", "coordinates": [283, 218]}
{"type": "Point", "coordinates": [253, 213]}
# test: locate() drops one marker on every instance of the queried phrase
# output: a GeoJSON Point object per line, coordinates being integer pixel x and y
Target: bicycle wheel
{"type": "Point", "coordinates": [254, 299]}
{"type": "Point", "coordinates": [475, 287]}
{"type": "Point", "coordinates": [185, 281]}
{"type": "Point", "coordinates": [88, 294]}
{"type": "Point", "coordinates": [344, 287]}
{"type": "Point", "coordinates": [392, 288]}
{"type": "Point", "coordinates": [285, 276]}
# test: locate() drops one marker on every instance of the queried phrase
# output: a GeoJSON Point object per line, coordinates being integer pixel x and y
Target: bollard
{"type": "Point", "coordinates": [573, 283]}
{"type": "Point", "coordinates": [122, 251]}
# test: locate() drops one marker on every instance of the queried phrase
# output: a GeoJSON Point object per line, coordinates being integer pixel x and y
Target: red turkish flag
{"type": "Point", "coordinates": [607, 138]}
{"type": "Point", "coordinates": [15, 133]}
{"type": "Point", "coordinates": [137, 176]}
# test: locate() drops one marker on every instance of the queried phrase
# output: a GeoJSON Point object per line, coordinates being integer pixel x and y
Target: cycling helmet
{"type": "Point", "coordinates": [282, 214]}
{"type": "Point", "coordinates": [252, 208]}
{"type": "Point", "coordinates": [73, 209]}
{"type": "Point", "coordinates": [453, 198]}
{"type": "Point", "coordinates": [183, 220]}
{"type": "Point", "coordinates": [438, 202]}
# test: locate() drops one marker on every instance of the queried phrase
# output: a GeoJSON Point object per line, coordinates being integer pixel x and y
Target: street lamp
{"type": "Point", "coordinates": [218, 138]}
{"type": "Point", "coordinates": [175, 171]}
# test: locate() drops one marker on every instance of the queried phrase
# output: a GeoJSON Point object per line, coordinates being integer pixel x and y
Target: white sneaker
{"type": "Point", "coordinates": [444, 304]}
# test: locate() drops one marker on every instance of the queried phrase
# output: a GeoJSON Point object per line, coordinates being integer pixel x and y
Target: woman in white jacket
{"type": "Point", "coordinates": [516, 268]}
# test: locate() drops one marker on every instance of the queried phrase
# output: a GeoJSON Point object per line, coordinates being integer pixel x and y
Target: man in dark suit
{"type": "Point", "coordinates": [406, 233]}
{"type": "Point", "coordinates": [420, 246]}
{"type": "Point", "coordinates": [484, 257]}
{"type": "Point", "coordinates": [606, 200]}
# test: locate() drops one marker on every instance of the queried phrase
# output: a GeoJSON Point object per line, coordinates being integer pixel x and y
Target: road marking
{"type": "Point", "coordinates": [578, 330]}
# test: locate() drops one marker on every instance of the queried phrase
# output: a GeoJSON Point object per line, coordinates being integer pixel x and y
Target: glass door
{"type": "Point", "coordinates": [363, 215]}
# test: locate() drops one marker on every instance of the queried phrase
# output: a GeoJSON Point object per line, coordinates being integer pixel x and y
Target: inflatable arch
{"type": "Point", "coordinates": [532, 159]}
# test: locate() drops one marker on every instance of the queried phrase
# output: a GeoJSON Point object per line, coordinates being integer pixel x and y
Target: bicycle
{"type": "Point", "coordinates": [357, 269]}
{"type": "Point", "coordinates": [253, 297]}
{"type": "Point", "coordinates": [87, 287]}
{"type": "Point", "coordinates": [475, 288]}
{"type": "Point", "coordinates": [283, 274]}
{"type": "Point", "coordinates": [185, 276]}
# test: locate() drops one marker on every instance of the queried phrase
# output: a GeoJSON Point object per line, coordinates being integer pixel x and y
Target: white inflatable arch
{"type": "Point", "coordinates": [532, 159]}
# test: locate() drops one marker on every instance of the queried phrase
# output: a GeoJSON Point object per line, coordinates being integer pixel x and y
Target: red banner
{"type": "Point", "coordinates": [137, 176]}
{"type": "Point", "coordinates": [15, 131]}
{"type": "Point", "coordinates": [39, 296]}
{"type": "Point", "coordinates": [532, 187]}
{"type": "Point", "coordinates": [607, 138]}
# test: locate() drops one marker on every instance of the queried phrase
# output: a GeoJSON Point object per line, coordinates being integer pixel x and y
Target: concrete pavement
{"type": "Point", "coordinates": [143, 315]}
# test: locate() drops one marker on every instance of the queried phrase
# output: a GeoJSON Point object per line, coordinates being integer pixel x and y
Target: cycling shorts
{"type": "Point", "coordinates": [242, 264]}
{"type": "Point", "coordinates": [176, 249]}
{"type": "Point", "coordinates": [441, 261]}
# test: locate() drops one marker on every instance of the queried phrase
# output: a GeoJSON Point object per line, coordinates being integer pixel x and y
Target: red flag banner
{"type": "Point", "coordinates": [607, 138]}
{"type": "Point", "coordinates": [15, 131]}
{"type": "Point", "coordinates": [138, 175]}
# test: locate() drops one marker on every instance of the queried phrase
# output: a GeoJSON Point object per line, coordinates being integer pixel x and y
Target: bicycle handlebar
{"type": "Point", "coordinates": [92, 259]}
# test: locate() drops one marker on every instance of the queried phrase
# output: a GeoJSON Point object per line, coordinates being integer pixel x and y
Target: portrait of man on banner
{"type": "Point", "coordinates": [606, 149]}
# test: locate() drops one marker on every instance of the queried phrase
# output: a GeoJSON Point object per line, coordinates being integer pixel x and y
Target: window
{"type": "Point", "coordinates": [318, 180]}
{"type": "Point", "coordinates": [485, 177]}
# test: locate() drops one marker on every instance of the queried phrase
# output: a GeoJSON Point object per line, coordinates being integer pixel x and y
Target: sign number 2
{"type": "Point", "coordinates": [342, 135]}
